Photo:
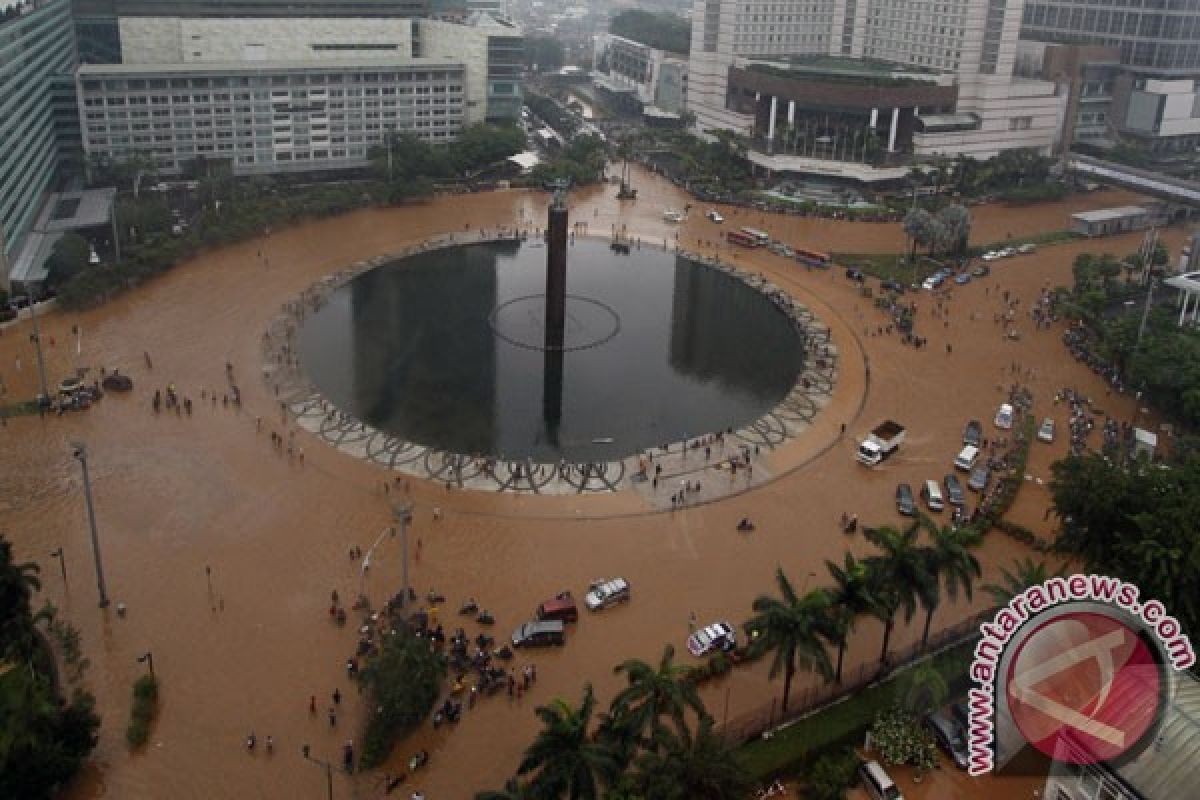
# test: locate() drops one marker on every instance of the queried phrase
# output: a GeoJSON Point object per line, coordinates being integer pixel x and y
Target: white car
{"type": "Point", "coordinates": [674, 215]}
{"type": "Point", "coordinates": [1008, 252]}
{"type": "Point", "coordinates": [718, 636]}
{"type": "Point", "coordinates": [1004, 417]}
{"type": "Point", "coordinates": [1025, 249]}
{"type": "Point", "coordinates": [1046, 431]}
{"type": "Point", "coordinates": [990, 255]}
{"type": "Point", "coordinates": [602, 594]}
{"type": "Point", "coordinates": [714, 216]}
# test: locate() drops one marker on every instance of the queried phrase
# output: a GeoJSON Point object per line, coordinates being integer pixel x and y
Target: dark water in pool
{"type": "Point", "coordinates": [443, 349]}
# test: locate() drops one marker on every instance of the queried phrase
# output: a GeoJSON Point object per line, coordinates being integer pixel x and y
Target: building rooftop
{"type": "Point", "coordinates": [1105, 214]}
{"type": "Point", "coordinates": [244, 67]}
{"type": "Point", "coordinates": [61, 212]}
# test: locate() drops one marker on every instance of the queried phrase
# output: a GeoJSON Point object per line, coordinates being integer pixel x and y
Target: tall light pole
{"type": "Point", "coordinates": [80, 452]}
{"type": "Point", "coordinates": [62, 562]}
{"type": "Point", "coordinates": [403, 515]}
{"type": "Point", "coordinates": [148, 660]}
{"type": "Point", "coordinates": [44, 397]}
{"type": "Point", "coordinates": [328, 768]}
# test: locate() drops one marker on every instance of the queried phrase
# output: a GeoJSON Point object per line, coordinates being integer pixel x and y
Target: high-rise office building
{"type": "Point", "coordinates": [293, 93]}
{"type": "Point", "coordinates": [1151, 94]}
{"type": "Point", "coordinates": [37, 55]}
{"type": "Point", "coordinates": [852, 78]}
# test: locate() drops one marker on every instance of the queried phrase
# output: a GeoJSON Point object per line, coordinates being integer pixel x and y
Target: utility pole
{"type": "Point", "coordinates": [328, 769]}
{"type": "Point", "coordinates": [80, 452]}
{"type": "Point", "coordinates": [148, 660]}
{"type": "Point", "coordinates": [403, 515]}
{"type": "Point", "coordinates": [62, 562]}
{"type": "Point", "coordinates": [44, 397]}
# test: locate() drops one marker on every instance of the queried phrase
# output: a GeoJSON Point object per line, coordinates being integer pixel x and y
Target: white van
{"type": "Point", "coordinates": [878, 784]}
{"type": "Point", "coordinates": [1004, 417]}
{"type": "Point", "coordinates": [931, 493]}
{"type": "Point", "coordinates": [966, 458]}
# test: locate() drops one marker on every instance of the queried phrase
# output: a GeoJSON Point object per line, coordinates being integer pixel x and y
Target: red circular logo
{"type": "Point", "coordinates": [1084, 687]}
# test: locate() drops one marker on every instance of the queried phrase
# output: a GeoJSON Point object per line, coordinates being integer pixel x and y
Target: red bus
{"type": "Point", "coordinates": [812, 258]}
{"type": "Point", "coordinates": [744, 239]}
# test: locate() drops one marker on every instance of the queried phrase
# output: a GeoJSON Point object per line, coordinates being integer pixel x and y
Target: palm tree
{"type": "Point", "coordinates": [924, 689]}
{"type": "Point", "coordinates": [851, 596]}
{"type": "Point", "coordinates": [567, 760]}
{"type": "Point", "coordinates": [902, 579]}
{"type": "Point", "coordinates": [796, 628]}
{"type": "Point", "coordinates": [685, 767]}
{"type": "Point", "coordinates": [1025, 574]}
{"type": "Point", "coordinates": [950, 562]}
{"type": "Point", "coordinates": [654, 693]}
{"type": "Point", "coordinates": [18, 582]}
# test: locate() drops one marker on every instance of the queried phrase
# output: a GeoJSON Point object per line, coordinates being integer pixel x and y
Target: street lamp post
{"type": "Point", "coordinates": [36, 336]}
{"type": "Point", "coordinates": [62, 562]}
{"type": "Point", "coordinates": [148, 660]}
{"type": "Point", "coordinates": [403, 515]}
{"type": "Point", "coordinates": [80, 452]}
{"type": "Point", "coordinates": [328, 769]}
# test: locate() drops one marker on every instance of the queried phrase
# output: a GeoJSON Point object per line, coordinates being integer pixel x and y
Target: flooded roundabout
{"type": "Point", "coordinates": [436, 364]}
{"type": "Point", "coordinates": [225, 549]}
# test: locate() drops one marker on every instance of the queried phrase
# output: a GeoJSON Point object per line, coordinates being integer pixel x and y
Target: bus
{"type": "Point", "coordinates": [762, 237]}
{"type": "Point", "coordinates": [812, 258]}
{"type": "Point", "coordinates": [744, 239]}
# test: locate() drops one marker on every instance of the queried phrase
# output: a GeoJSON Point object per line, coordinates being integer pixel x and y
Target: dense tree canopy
{"type": "Point", "coordinates": [67, 259]}
{"type": "Point", "coordinates": [662, 30]}
{"type": "Point", "coordinates": [1136, 523]}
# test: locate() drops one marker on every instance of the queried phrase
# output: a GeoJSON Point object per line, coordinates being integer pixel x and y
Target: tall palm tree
{"type": "Point", "coordinates": [851, 596]}
{"type": "Point", "coordinates": [18, 582]}
{"type": "Point", "coordinates": [950, 563]}
{"type": "Point", "coordinates": [567, 761]}
{"type": "Point", "coordinates": [796, 628]}
{"type": "Point", "coordinates": [686, 767]}
{"type": "Point", "coordinates": [653, 693]}
{"type": "Point", "coordinates": [902, 579]}
{"type": "Point", "coordinates": [1025, 573]}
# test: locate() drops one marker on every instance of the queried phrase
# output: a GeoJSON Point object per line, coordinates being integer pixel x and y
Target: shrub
{"type": "Point", "coordinates": [403, 682]}
{"type": "Point", "coordinates": [145, 709]}
{"type": "Point", "coordinates": [831, 775]}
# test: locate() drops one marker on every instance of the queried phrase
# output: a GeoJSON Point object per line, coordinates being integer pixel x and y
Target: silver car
{"type": "Point", "coordinates": [1046, 431]}
{"type": "Point", "coordinates": [602, 594]}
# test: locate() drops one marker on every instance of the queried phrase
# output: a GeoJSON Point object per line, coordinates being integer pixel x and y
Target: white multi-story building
{"type": "Point", "coordinates": [292, 93]}
{"type": "Point", "coordinates": [920, 77]}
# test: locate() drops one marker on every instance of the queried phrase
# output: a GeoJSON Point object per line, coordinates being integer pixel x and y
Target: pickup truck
{"type": "Point", "coordinates": [880, 443]}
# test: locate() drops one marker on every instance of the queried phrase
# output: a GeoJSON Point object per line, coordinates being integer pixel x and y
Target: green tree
{"type": "Point", "coordinates": [1025, 573]}
{"type": "Point", "coordinates": [921, 227]}
{"type": "Point", "coordinates": [951, 563]}
{"type": "Point", "coordinates": [513, 790]}
{"type": "Point", "coordinates": [653, 693]}
{"type": "Point", "coordinates": [955, 222]}
{"type": "Point", "coordinates": [901, 572]}
{"type": "Point", "coordinates": [923, 690]}
{"type": "Point", "coordinates": [681, 766]}
{"type": "Point", "coordinates": [18, 582]}
{"type": "Point", "coordinates": [565, 760]}
{"type": "Point", "coordinates": [402, 684]}
{"type": "Point", "coordinates": [852, 595]}
{"type": "Point", "coordinates": [68, 258]}
{"type": "Point", "coordinates": [795, 628]}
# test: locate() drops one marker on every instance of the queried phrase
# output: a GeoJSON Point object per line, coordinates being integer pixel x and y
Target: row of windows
{"type": "Point", "coordinates": [296, 79]}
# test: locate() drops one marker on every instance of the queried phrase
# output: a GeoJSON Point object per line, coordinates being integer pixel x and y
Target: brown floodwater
{"type": "Point", "coordinates": [178, 494]}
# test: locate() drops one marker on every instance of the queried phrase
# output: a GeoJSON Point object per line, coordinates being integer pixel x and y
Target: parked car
{"type": "Point", "coordinates": [990, 255]}
{"type": "Point", "coordinates": [1026, 248]}
{"type": "Point", "coordinates": [973, 433]}
{"type": "Point", "coordinates": [906, 502]}
{"type": "Point", "coordinates": [892, 286]}
{"type": "Point", "coordinates": [954, 490]}
{"type": "Point", "coordinates": [949, 736]}
{"type": "Point", "coordinates": [560, 607]}
{"type": "Point", "coordinates": [877, 783]}
{"type": "Point", "coordinates": [714, 216]}
{"type": "Point", "coordinates": [602, 594]}
{"type": "Point", "coordinates": [933, 282]}
{"type": "Point", "coordinates": [855, 275]}
{"type": "Point", "coordinates": [1004, 417]}
{"type": "Point", "coordinates": [718, 636]}
{"type": "Point", "coordinates": [979, 478]}
{"type": "Point", "coordinates": [1008, 252]}
{"type": "Point", "coordinates": [1046, 431]}
{"type": "Point", "coordinates": [981, 271]}
{"type": "Point", "coordinates": [539, 633]}
{"type": "Point", "coordinates": [961, 714]}
{"type": "Point", "coordinates": [962, 278]}
{"type": "Point", "coordinates": [931, 493]}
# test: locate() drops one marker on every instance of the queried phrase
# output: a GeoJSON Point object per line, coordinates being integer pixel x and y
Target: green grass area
{"type": "Point", "coordinates": [888, 266]}
{"type": "Point", "coordinates": [1047, 238]}
{"type": "Point", "coordinates": [145, 709]}
{"type": "Point", "coordinates": [24, 408]}
{"type": "Point", "coordinates": [842, 723]}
